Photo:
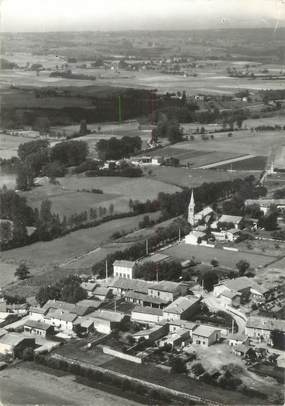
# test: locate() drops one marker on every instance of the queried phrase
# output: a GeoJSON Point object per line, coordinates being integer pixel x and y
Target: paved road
{"type": "Point", "coordinates": [226, 161]}
{"type": "Point", "coordinates": [213, 303]}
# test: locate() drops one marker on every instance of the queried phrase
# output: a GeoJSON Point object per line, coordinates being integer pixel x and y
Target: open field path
{"type": "Point", "coordinates": [226, 161]}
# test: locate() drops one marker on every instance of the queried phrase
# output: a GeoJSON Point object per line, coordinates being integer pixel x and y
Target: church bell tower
{"type": "Point", "coordinates": [191, 210]}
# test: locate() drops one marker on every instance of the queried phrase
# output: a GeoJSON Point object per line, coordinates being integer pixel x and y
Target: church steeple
{"type": "Point", "coordinates": [191, 210]}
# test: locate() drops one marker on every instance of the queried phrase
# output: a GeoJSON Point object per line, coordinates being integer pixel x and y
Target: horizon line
{"type": "Point", "coordinates": [149, 29]}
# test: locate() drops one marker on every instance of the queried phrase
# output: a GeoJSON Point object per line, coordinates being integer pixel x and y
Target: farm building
{"type": "Point", "coordinates": [147, 315]}
{"type": "Point", "coordinates": [142, 299]}
{"type": "Point", "coordinates": [38, 328]}
{"type": "Point", "coordinates": [206, 335]}
{"type": "Point", "coordinates": [265, 204]}
{"type": "Point", "coordinates": [151, 334]}
{"type": "Point", "coordinates": [89, 287]}
{"type": "Point", "coordinates": [167, 291]}
{"type": "Point", "coordinates": [11, 343]}
{"type": "Point", "coordinates": [260, 328]}
{"type": "Point", "coordinates": [61, 319]}
{"type": "Point", "coordinates": [243, 285]}
{"type": "Point", "coordinates": [181, 337]}
{"type": "Point", "coordinates": [182, 308]}
{"type": "Point", "coordinates": [124, 269]}
{"type": "Point", "coordinates": [122, 285]}
{"type": "Point", "coordinates": [204, 215]}
{"type": "Point", "coordinates": [226, 221]}
{"type": "Point", "coordinates": [102, 293]}
{"type": "Point", "coordinates": [38, 313]}
{"type": "Point", "coordinates": [86, 324]}
{"type": "Point", "coordinates": [235, 339]}
{"type": "Point", "coordinates": [105, 321]}
{"type": "Point", "coordinates": [175, 325]}
{"type": "Point", "coordinates": [230, 298]}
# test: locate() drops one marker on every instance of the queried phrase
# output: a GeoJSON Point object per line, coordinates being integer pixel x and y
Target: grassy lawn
{"type": "Point", "coordinates": [193, 177]}
{"type": "Point", "coordinates": [131, 188]}
{"type": "Point", "coordinates": [72, 245]}
{"type": "Point", "coordinates": [67, 198]}
{"type": "Point", "coordinates": [241, 142]}
{"type": "Point", "coordinates": [226, 258]}
{"type": "Point", "coordinates": [252, 164]}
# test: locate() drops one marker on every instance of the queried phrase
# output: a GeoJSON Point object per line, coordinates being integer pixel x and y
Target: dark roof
{"type": "Point", "coordinates": [125, 264]}
{"type": "Point", "coordinates": [181, 304]}
{"type": "Point", "coordinates": [137, 285]}
{"type": "Point", "coordinates": [61, 315]}
{"type": "Point", "coordinates": [107, 315]}
{"type": "Point", "coordinates": [148, 310]}
{"type": "Point", "coordinates": [145, 298]}
{"type": "Point", "coordinates": [101, 291]}
{"type": "Point", "coordinates": [166, 286]}
{"type": "Point", "coordinates": [37, 324]}
{"type": "Point", "coordinates": [266, 323]}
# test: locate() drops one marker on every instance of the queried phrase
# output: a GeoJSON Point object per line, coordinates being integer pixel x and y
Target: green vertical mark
{"type": "Point", "coordinates": [120, 109]}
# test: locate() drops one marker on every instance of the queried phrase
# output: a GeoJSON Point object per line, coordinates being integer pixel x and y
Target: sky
{"type": "Point", "coordinates": [80, 15]}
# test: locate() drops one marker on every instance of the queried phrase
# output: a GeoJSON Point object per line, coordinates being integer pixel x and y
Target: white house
{"type": "Point", "coordinates": [124, 269]}
{"type": "Point", "coordinates": [105, 321]}
{"type": "Point", "coordinates": [147, 315]}
{"type": "Point", "coordinates": [206, 335]}
{"type": "Point", "coordinates": [61, 319]}
{"type": "Point", "coordinates": [230, 220]}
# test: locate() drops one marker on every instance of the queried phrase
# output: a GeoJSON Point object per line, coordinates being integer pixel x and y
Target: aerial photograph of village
{"type": "Point", "coordinates": [142, 211]}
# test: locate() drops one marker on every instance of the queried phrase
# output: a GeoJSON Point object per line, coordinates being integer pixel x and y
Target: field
{"type": "Point", "coordinates": [72, 245]}
{"type": "Point", "coordinates": [194, 157]}
{"type": "Point", "coordinates": [68, 197]}
{"type": "Point", "coordinates": [229, 259]}
{"type": "Point", "coordinates": [27, 384]}
{"type": "Point", "coordinates": [180, 382]}
{"type": "Point", "coordinates": [241, 142]}
{"type": "Point", "coordinates": [256, 163]}
{"type": "Point", "coordinates": [9, 145]}
{"type": "Point", "coordinates": [209, 79]}
{"type": "Point", "coordinates": [7, 273]}
{"type": "Point", "coordinates": [67, 202]}
{"type": "Point", "coordinates": [131, 188]}
{"type": "Point", "coordinates": [192, 177]}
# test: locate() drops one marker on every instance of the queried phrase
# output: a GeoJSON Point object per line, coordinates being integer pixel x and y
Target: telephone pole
{"type": "Point", "coordinates": [146, 247]}
{"type": "Point", "coordinates": [106, 270]}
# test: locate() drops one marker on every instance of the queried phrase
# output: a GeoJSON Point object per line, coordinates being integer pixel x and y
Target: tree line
{"type": "Point", "coordinates": [37, 158]}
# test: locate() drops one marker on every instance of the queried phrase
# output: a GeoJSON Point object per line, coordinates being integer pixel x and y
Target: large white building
{"type": "Point", "coordinates": [124, 269]}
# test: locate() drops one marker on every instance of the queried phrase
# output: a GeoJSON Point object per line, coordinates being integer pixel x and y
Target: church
{"type": "Point", "coordinates": [196, 236]}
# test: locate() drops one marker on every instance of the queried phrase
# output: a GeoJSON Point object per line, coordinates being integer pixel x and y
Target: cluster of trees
{"type": "Point", "coordinates": [38, 158]}
{"type": "Point", "coordinates": [18, 215]}
{"type": "Point", "coordinates": [162, 236]}
{"type": "Point", "coordinates": [150, 271]}
{"type": "Point", "coordinates": [176, 204]}
{"type": "Point", "coordinates": [67, 289]}
{"type": "Point", "coordinates": [167, 128]}
{"type": "Point", "coordinates": [116, 149]}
